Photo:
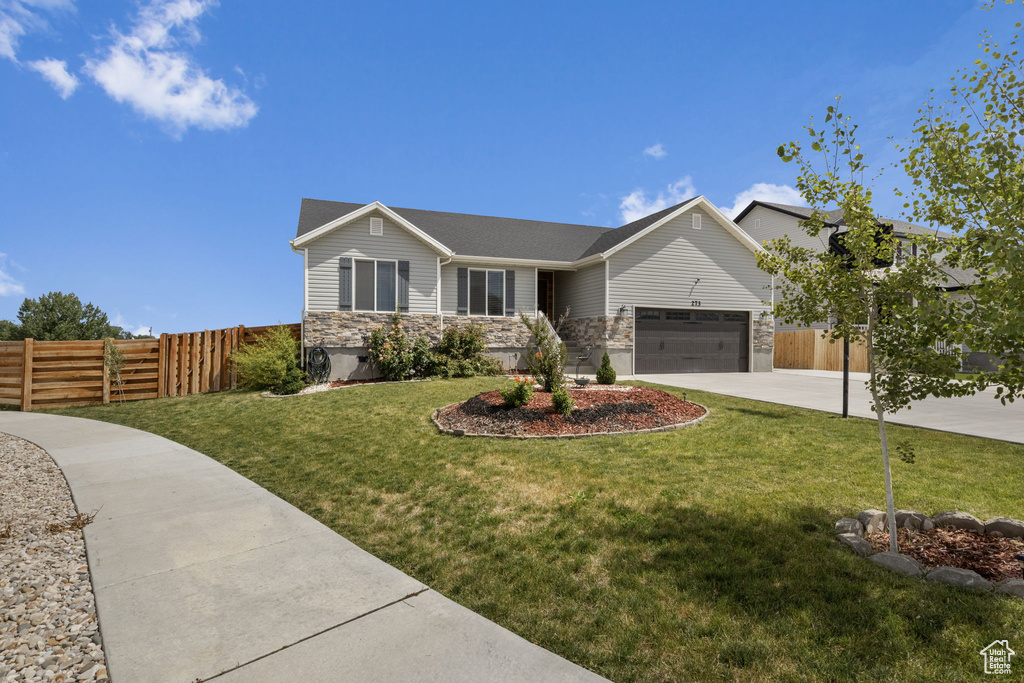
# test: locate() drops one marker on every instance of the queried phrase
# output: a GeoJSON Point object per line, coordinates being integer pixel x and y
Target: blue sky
{"type": "Point", "coordinates": [153, 153]}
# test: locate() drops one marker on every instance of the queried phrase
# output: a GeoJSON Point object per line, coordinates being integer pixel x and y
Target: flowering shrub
{"type": "Point", "coordinates": [391, 351]}
{"type": "Point", "coordinates": [517, 392]}
{"type": "Point", "coordinates": [561, 401]}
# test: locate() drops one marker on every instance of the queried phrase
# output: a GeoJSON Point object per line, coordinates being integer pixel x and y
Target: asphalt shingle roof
{"type": "Point", "coordinates": [472, 235]}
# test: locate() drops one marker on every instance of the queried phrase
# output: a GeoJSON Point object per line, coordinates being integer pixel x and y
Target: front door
{"type": "Point", "coordinates": [546, 293]}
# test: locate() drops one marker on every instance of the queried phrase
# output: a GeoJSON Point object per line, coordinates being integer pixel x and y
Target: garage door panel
{"type": "Point", "coordinates": [691, 341]}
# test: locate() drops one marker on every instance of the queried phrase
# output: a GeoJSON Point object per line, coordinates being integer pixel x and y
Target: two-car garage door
{"type": "Point", "coordinates": [691, 341]}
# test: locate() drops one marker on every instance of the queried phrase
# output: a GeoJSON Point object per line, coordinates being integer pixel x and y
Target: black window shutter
{"type": "Point", "coordinates": [463, 302]}
{"type": "Point", "coordinates": [510, 292]}
{"type": "Point", "coordinates": [345, 284]}
{"type": "Point", "coordinates": [403, 286]}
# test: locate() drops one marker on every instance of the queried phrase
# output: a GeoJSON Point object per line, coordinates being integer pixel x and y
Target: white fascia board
{"type": "Point", "coordinates": [359, 213]}
{"type": "Point", "coordinates": [729, 225]}
{"type": "Point", "coordinates": [525, 263]}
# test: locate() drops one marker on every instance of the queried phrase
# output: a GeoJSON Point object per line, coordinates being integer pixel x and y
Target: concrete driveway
{"type": "Point", "coordinates": [980, 415]}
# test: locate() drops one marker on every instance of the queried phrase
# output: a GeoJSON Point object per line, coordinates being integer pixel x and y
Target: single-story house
{"type": "Point", "coordinates": [676, 291]}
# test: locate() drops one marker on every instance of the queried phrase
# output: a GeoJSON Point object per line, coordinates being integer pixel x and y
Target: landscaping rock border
{"type": "Point", "coordinates": [850, 532]}
{"type": "Point", "coordinates": [651, 430]}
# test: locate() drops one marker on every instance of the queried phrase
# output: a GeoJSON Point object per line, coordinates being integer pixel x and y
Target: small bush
{"type": "Point", "coordinates": [293, 381]}
{"type": "Point", "coordinates": [605, 373]}
{"type": "Point", "coordinates": [460, 353]}
{"type": "Point", "coordinates": [561, 400]}
{"type": "Point", "coordinates": [391, 351]}
{"type": "Point", "coordinates": [544, 355]}
{"type": "Point", "coordinates": [266, 362]}
{"type": "Point", "coordinates": [518, 392]}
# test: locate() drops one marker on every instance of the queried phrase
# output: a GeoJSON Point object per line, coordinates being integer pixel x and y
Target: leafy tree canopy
{"type": "Point", "coordinates": [60, 317]}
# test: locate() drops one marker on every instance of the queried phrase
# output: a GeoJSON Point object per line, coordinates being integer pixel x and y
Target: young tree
{"type": "Point", "coordinates": [966, 165]}
{"type": "Point", "coordinates": [900, 311]}
{"type": "Point", "coordinates": [61, 317]}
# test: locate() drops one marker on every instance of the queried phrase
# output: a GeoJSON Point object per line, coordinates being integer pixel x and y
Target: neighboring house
{"type": "Point", "coordinates": [677, 291]}
{"type": "Point", "coordinates": [765, 221]}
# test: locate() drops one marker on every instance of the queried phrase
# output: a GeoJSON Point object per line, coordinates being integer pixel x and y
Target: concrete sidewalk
{"type": "Point", "coordinates": [201, 574]}
{"type": "Point", "coordinates": [979, 415]}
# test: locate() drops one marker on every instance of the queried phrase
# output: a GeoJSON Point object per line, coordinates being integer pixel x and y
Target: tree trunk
{"type": "Point", "coordinates": [890, 503]}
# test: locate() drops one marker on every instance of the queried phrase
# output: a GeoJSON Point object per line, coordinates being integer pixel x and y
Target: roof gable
{"type": "Point", "coordinates": [834, 218]}
{"type": "Point", "coordinates": [375, 207]}
{"type": "Point", "coordinates": [646, 225]}
{"type": "Point", "coordinates": [471, 235]}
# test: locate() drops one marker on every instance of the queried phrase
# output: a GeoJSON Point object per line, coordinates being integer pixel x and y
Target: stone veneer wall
{"type": "Point", "coordinates": [764, 333]}
{"type": "Point", "coordinates": [351, 329]}
{"type": "Point", "coordinates": [499, 332]}
{"type": "Point", "coordinates": [607, 332]}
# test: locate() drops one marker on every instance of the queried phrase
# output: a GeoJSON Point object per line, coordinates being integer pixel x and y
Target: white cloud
{"type": "Point", "coordinates": [8, 285]}
{"type": "Point", "coordinates": [142, 329]}
{"type": "Point", "coordinates": [764, 192]}
{"type": "Point", "coordinates": [55, 72]}
{"type": "Point", "coordinates": [656, 151]}
{"type": "Point", "coordinates": [148, 69]}
{"type": "Point", "coordinates": [636, 205]}
{"type": "Point", "coordinates": [20, 17]}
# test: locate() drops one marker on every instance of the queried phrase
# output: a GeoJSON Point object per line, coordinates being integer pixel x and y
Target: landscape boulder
{"type": "Point", "coordinates": [856, 543]}
{"type": "Point", "coordinates": [898, 563]}
{"type": "Point", "coordinates": [873, 520]}
{"type": "Point", "coordinates": [849, 525]}
{"type": "Point", "coordinates": [1011, 587]}
{"type": "Point", "coordinates": [912, 519]}
{"type": "Point", "coordinates": [1010, 528]}
{"type": "Point", "coordinates": [958, 520]}
{"type": "Point", "coordinates": [965, 578]}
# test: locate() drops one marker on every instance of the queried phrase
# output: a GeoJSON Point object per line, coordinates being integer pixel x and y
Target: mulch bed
{"type": "Point", "coordinates": [595, 410]}
{"type": "Point", "coordinates": [990, 556]}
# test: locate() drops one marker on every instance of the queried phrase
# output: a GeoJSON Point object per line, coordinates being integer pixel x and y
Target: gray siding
{"type": "Point", "coordinates": [526, 286]}
{"type": "Point", "coordinates": [660, 268]}
{"type": "Point", "coordinates": [775, 224]}
{"type": "Point", "coordinates": [354, 240]}
{"type": "Point", "coordinates": [582, 291]}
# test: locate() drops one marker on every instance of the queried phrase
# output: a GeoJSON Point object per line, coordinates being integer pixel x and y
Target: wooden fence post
{"type": "Point", "coordinates": [194, 363]}
{"type": "Point", "coordinates": [106, 374]}
{"type": "Point", "coordinates": [161, 367]}
{"type": "Point", "coordinates": [204, 379]}
{"type": "Point", "coordinates": [26, 379]}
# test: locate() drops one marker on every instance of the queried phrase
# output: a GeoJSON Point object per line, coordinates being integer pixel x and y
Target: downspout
{"type": "Point", "coordinates": [305, 302]}
{"type": "Point", "coordinates": [440, 309]}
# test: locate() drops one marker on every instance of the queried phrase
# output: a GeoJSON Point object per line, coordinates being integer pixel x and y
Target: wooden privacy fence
{"type": "Point", "coordinates": [37, 374]}
{"type": "Point", "coordinates": [806, 350]}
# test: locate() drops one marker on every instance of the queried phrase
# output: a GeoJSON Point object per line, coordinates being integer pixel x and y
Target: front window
{"type": "Point", "coordinates": [487, 292]}
{"type": "Point", "coordinates": [376, 286]}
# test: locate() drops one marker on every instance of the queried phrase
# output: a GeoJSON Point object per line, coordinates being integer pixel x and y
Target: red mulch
{"type": "Point", "coordinates": [990, 556]}
{"type": "Point", "coordinates": [595, 410]}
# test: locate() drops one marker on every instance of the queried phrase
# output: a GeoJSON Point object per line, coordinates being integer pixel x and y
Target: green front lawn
{"type": "Point", "coordinates": [701, 554]}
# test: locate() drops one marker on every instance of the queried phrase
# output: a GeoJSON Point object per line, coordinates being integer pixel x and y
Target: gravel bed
{"type": "Point", "coordinates": [990, 556]}
{"type": "Point", "coordinates": [596, 411]}
{"type": "Point", "coordinates": [48, 628]}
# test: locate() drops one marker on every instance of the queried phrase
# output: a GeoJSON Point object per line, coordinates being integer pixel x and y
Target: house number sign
{"type": "Point", "coordinates": [695, 303]}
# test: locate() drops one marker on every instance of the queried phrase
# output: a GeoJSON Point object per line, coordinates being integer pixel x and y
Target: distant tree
{"type": "Point", "coordinates": [60, 317]}
{"type": "Point", "coordinates": [9, 331]}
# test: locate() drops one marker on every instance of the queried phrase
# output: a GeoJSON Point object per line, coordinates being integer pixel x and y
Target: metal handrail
{"type": "Point", "coordinates": [551, 328]}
